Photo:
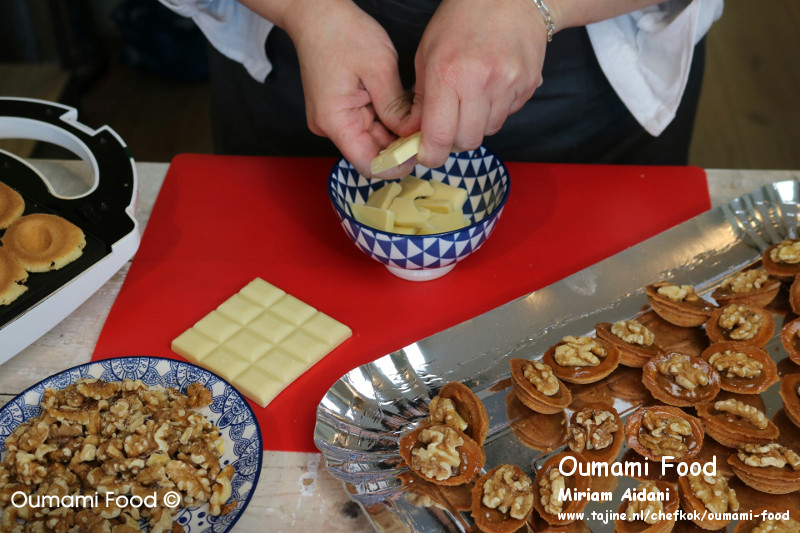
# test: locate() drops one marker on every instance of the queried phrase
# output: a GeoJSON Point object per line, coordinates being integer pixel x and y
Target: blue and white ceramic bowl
{"type": "Point", "coordinates": [228, 411]}
{"type": "Point", "coordinates": [424, 257]}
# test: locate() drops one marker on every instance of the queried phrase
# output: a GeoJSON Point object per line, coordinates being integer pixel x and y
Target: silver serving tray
{"type": "Point", "coordinates": [363, 414]}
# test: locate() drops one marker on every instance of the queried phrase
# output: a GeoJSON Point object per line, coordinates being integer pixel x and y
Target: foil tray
{"type": "Point", "coordinates": [364, 413]}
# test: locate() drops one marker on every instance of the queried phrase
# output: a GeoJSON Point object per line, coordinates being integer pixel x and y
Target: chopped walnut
{"type": "Point", "coordinates": [740, 322]}
{"type": "Point", "coordinates": [647, 511]}
{"type": "Point", "coordinates": [541, 376]}
{"type": "Point", "coordinates": [632, 332]}
{"type": "Point", "coordinates": [765, 455]}
{"type": "Point", "coordinates": [664, 436]}
{"type": "Point", "coordinates": [741, 410]}
{"type": "Point", "coordinates": [678, 293]}
{"type": "Point", "coordinates": [443, 411]}
{"type": "Point", "coordinates": [440, 459]}
{"type": "Point", "coordinates": [123, 437]}
{"type": "Point", "coordinates": [731, 364]}
{"type": "Point", "coordinates": [749, 280]}
{"type": "Point", "coordinates": [579, 351]}
{"type": "Point", "coordinates": [786, 252]}
{"type": "Point", "coordinates": [714, 492]}
{"type": "Point", "coordinates": [687, 375]}
{"type": "Point", "coordinates": [421, 499]}
{"type": "Point", "coordinates": [593, 430]}
{"type": "Point", "coordinates": [775, 525]}
{"type": "Point", "coordinates": [508, 492]}
{"type": "Point", "coordinates": [550, 487]}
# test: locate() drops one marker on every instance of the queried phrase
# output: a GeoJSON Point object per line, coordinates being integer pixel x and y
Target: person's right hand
{"type": "Point", "coordinates": [351, 81]}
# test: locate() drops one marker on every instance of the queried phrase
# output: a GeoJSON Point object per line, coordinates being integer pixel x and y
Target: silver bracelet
{"type": "Point", "coordinates": [548, 20]}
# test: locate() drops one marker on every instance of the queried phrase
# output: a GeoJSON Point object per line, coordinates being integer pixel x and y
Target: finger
{"type": "Point", "coordinates": [473, 116]}
{"type": "Point", "coordinates": [391, 102]}
{"type": "Point", "coordinates": [439, 124]}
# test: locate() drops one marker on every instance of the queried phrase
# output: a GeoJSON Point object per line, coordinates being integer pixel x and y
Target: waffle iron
{"type": "Point", "coordinates": [105, 213]}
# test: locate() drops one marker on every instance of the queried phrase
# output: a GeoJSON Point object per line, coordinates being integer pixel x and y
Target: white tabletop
{"type": "Point", "coordinates": [295, 492]}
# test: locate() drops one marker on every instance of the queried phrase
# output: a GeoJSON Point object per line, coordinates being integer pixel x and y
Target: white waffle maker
{"type": "Point", "coordinates": [105, 213]}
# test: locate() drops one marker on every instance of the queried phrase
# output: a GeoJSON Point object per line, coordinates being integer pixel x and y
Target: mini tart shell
{"type": "Point", "coordinates": [610, 452]}
{"type": "Point", "coordinates": [632, 355]}
{"type": "Point", "coordinates": [665, 388]}
{"type": "Point", "coordinates": [455, 498]}
{"type": "Point", "coordinates": [12, 277]}
{"type": "Point", "coordinates": [672, 338]}
{"type": "Point", "coordinates": [665, 526]}
{"type": "Point", "coordinates": [491, 520]}
{"type": "Point", "coordinates": [634, 424]}
{"type": "Point", "coordinates": [791, 400]}
{"type": "Point", "coordinates": [12, 205]}
{"type": "Point", "coordinates": [769, 479]}
{"type": "Point", "coordinates": [469, 407]}
{"type": "Point", "coordinates": [680, 313]}
{"type": "Point", "coordinates": [584, 374]}
{"type": "Point", "coordinates": [763, 296]}
{"type": "Point", "coordinates": [531, 397]}
{"type": "Point", "coordinates": [690, 503]}
{"type": "Point", "coordinates": [746, 526]}
{"type": "Point", "coordinates": [781, 271]}
{"type": "Point", "coordinates": [578, 483]}
{"type": "Point", "coordinates": [717, 334]}
{"type": "Point", "coordinates": [790, 340]}
{"type": "Point", "coordinates": [756, 385]}
{"type": "Point", "coordinates": [731, 432]}
{"type": "Point", "coordinates": [543, 432]}
{"type": "Point", "coordinates": [472, 457]}
{"type": "Point", "coordinates": [626, 385]}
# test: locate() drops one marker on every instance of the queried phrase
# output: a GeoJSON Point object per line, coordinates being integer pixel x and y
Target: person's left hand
{"type": "Point", "coordinates": [477, 63]}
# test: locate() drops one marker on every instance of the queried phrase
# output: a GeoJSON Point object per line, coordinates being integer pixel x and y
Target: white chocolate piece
{"type": "Point", "coordinates": [413, 187]}
{"type": "Point", "coordinates": [405, 230]}
{"type": "Point", "coordinates": [435, 205]}
{"type": "Point", "coordinates": [374, 217]}
{"type": "Point", "coordinates": [398, 152]}
{"type": "Point", "coordinates": [456, 195]}
{"type": "Point", "coordinates": [444, 223]}
{"type": "Point", "coordinates": [382, 198]}
{"type": "Point", "coordinates": [260, 340]}
{"type": "Point", "coordinates": [407, 214]}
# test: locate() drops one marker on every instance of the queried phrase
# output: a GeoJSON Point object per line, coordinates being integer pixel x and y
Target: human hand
{"type": "Point", "coordinates": [477, 63]}
{"type": "Point", "coordinates": [351, 81]}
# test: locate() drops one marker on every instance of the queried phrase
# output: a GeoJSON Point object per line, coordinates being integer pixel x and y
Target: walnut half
{"type": "Point", "coordinates": [632, 332]}
{"type": "Point", "coordinates": [664, 436]}
{"type": "Point", "coordinates": [731, 364]}
{"type": "Point", "coordinates": [443, 411]}
{"type": "Point", "coordinates": [508, 492]}
{"type": "Point", "coordinates": [746, 412]}
{"type": "Point", "coordinates": [678, 293]}
{"type": "Point", "coordinates": [647, 511]}
{"type": "Point", "coordinates": [541, 376]}
{"type": "Point", "coordinates": [686, 374]}
{"type": "Point", "coordinates": [550, 487]}
{"type": "Point", "coordinates": [747, 281]}
{"type": "Point", "coordinates": [714, 492]}
{"type": "Point", "coordinates": [786, 252]}
{"type": "Point", "coordinates": [440, 458]}
{"type": "Point", "coordinates": [765, 455]}
{"type": "Point", "coordinates": [773, 525]}
{"type": "Point", "coordinates": [579, 351]}
{"type": "Point", "coordinates": [741, 322]}
{"type": "Point", "coordinates": [593, 430]}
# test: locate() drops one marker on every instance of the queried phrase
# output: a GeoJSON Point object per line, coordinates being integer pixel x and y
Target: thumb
{"type": "Point", "coordinates": [390, 101]}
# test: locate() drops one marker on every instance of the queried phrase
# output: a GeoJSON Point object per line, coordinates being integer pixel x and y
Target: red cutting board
{"type": "Point", "coordinates": [220, 222]}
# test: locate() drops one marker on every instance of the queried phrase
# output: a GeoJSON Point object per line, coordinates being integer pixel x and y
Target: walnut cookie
{"type": "Point", "coordinates": [582, 360]}
{"type": "Point", "coordinates": [776, 522]}
{"type": "Point", "coordinates": [457, 406]}
{"type": "Point", "coordinates": [771, 468]}
{"type": "Point", "coordinates": [790, 339]}
{"type": "Point", "coordinates": [782, 260]}
{"type": "Point", "coordinates": [734, 420]}
{"type": "Point", "coordinates": [659, 431]}
{"type": "Point", "coordinates": [634, 340]}
{"type": "Point", "coordinates": [645, 515]}
{"type": "Point", "coordinates": [754, 285]}
{"type": "Point", "coordinates": [790, 394]}
{"type": "Point", "coordinates": [681, 380]}
{"type": "Point", "coordinates": [742, 321]}
{"type": "Point", "coordinates": [535, 430]}
{"type": "Point", "coordinates": [537, 387]}
{"type": "Point", "coordinates": [711, 498]}
{"type": "Point", "coordinates": [742, 368]}
{"type": "Point", "coordinates": [502, 499]}
{"type": "Point", "coordinates": [678, 304]}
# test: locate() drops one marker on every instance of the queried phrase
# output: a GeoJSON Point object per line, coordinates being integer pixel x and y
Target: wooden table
{"type": "Point", "coordinates": [295, 492]}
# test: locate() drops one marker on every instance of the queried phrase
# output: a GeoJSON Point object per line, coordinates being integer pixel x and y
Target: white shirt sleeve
{"type": "Point", "coordinates": [233, 29]}
{"type": "Point", "coordinates": [646, 55]}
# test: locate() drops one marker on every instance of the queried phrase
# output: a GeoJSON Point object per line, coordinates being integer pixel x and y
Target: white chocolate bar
{"type": "Point", "coordinates": [260, 340]}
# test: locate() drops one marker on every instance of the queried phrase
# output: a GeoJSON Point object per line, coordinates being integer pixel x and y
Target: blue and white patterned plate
{"type": "Point", "coordinates": [228, 411]}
